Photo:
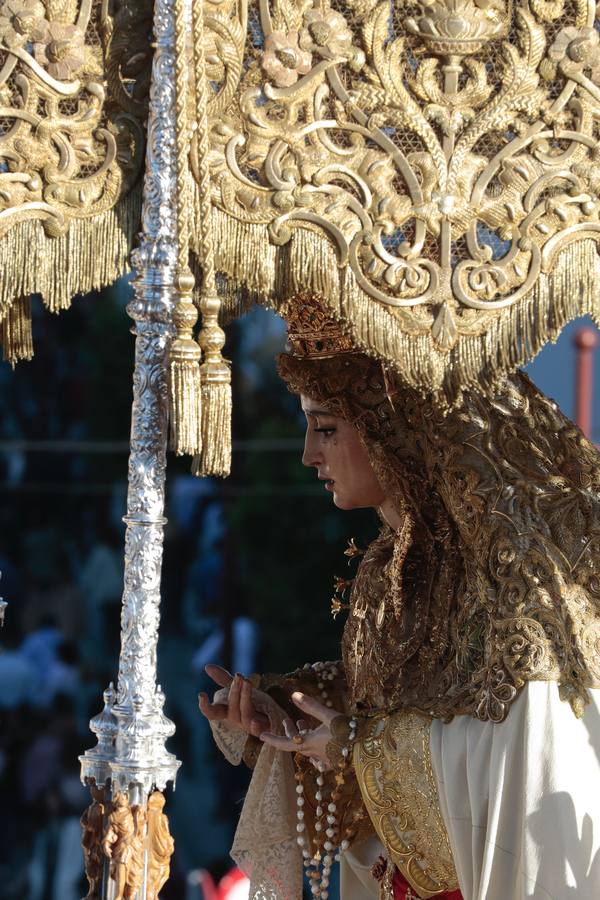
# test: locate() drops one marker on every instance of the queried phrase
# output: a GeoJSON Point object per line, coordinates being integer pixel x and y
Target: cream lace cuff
{"type": "Point", "coordinates": [265, 846]}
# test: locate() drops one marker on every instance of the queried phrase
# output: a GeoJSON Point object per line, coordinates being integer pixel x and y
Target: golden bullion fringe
{"type": "Point", "coordinates": [185, 405]}
{"type": "Point", "coordinates": [272, 274]}
{"type": "Point", "coordinates": [15, 332]}
{"type": "Point", "coordinates": [93, 253]}
{"type": "Point", "coordinates": [216, 431]}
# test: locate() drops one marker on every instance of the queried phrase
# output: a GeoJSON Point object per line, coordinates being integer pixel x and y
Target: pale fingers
{"type": "Point", "coordinates": [214, 711]}
{"type": "Point", "coordinates": [313, 708]}
{"type": "Point", "coordinates": [289, 728]}
{"type": "Point", "coordinates": [218, 674]}
{"type": "Point", "coordinates": [280, 743]}
{"type": "Point", "coordinates": [247, 711]}
{"type": "Point", "coordinates": [233, 701]}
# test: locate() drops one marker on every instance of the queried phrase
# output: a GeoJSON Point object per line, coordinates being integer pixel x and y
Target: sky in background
{"type": "Point", "coordinates": [553, 370]}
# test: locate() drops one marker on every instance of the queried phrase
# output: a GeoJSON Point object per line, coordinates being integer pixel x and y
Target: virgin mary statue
{"type": "Point", "coordinates": [454, 750]}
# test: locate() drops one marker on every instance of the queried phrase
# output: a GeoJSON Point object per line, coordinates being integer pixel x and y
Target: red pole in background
{"type": "Point", "coordinates": [586, 340]}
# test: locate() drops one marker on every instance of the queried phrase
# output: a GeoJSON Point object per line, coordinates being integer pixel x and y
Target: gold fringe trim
{"type": "Point", "coordinates": [272, 275]}
{"type": "Point", "coordinates": [184, 403]}
{"type": "Point", "coordinates": [15, 332]}
{"type": "Point", "coordinates": [215, 458]}
{"type": "Point", "coordinates": [93, 253]}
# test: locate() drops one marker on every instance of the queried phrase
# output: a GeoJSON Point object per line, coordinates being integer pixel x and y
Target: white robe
{"type": "Point", "coordinates": [520, 799]}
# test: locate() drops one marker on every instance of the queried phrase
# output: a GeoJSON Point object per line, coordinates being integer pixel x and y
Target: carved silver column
{"type": "Point", "coordinates": [132, 729]}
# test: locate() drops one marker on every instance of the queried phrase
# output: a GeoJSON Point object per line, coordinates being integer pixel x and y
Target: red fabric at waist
{"type": "Point", "coordinates": [403, 890]}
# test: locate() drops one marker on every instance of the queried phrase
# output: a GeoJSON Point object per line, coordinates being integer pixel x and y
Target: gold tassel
{"type": "Point", "coordinates": [15, 332]}
{"type": "Point", "coordinates": [215, 458]}
{"type": "Point", "coordinates": [184, 373]}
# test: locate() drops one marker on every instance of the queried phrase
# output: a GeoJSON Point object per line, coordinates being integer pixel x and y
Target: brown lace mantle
{"type": "Point", "coordinates": [500, 582]}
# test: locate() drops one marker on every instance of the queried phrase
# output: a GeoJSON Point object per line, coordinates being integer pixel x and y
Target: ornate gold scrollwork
{"type": "Point", "coordinates": [73, 88]}
{"type": "Point", "coordinates": [446, 150]}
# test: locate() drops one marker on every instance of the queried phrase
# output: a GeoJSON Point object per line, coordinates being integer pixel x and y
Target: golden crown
{"type": "Point", "coordinates": [312, 333]}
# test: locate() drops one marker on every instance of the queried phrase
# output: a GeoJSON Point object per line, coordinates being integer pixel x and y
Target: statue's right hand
{"type": "Point", "coordinates": [239, 710]}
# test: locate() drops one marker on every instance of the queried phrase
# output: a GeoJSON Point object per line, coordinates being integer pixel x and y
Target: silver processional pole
{"type": "Point", "coordinates": [127, 845]}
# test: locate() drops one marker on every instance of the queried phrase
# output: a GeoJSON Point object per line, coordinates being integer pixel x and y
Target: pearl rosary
{"type": "Point", "coordinates": [319, 863]}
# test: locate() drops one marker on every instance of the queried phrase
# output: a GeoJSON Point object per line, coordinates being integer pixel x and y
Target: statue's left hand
{"type": "Point", "coordinates": [311, 743]}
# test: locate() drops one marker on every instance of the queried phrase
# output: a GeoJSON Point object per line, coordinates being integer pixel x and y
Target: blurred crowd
{"type": "Point", "coordinates": [61, 564]}
{"type": "Point", "coordinates": [58, 651]}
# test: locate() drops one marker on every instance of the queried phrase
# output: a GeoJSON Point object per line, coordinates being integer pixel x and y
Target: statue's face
{"type": "Point", "coordinates": [334, 448]}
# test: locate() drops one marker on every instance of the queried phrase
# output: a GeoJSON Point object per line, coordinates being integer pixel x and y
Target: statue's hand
{"type": "Point", "coordinates": [239, 710]}
{"type": "Point", "coordinates": [311, 743]}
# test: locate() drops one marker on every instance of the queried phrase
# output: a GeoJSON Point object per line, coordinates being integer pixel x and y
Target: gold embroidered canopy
{"type": "Point", "coordinates": [430, 168]}
{"type": "Point", "coordinates": [73, 89]}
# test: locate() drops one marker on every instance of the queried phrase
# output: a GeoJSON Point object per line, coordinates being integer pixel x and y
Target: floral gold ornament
{"type": "Point", "coordinates": [352, 551]}
{"type": "Point", "coordinates": [429, 169]}
{"type": "Point", "coordinates": [73, 92]}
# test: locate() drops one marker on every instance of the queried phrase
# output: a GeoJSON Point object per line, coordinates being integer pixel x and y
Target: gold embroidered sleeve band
{"type": "Point", "coordinates": [393, 768]}
{"type": "Point", "coordinates": [430, 168]}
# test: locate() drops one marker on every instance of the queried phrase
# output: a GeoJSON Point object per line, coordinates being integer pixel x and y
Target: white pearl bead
{"type": "Point", "coordinates": [324, 695]}
{"type": "Point", "coordinates": [300, 826]}
{"type": "Point", "coordinates": [332, 807]}
{"type": "Point", "coordinates": [330, 832]}
{"type": "Point", "coordinates": [325, 882]}
{"type": "Point", "coordinates": [300, 801]}
{"type": "Point", "coordinates": [345, 752]}
{"type": "Point", "coordinates": [320, 685]}
{"type": "Point", "coordinates": [327, 859]}
{"type": "Point", "coordinates": [300, 840]}
{"type": "Point", "coordinates": [305, 854]}
{"type": "Point", "coordinates": [328, 845]}
{"type": "Point", "coordinates": [300, 813]}
{"type": "Point", "coordinates": [324, 895]}
{"type": "Point", "coordinates": [337, 857]}
{"type": "Point", "coordinates": [299, 789]}
{"type": "Point", "coordinates": [345, 844]}
{"type": "Point", "coordinates": [329, 704]}
{"type": "Point", "coordinates": [318, 826]}
{"type": "Point", "coordinates": [320, 780]}
{"type": "Point", "coordinates": [319, 811]}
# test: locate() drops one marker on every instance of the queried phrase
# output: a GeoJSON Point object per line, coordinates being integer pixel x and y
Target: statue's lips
{"type": "Point", "coordinates": [328, 483]}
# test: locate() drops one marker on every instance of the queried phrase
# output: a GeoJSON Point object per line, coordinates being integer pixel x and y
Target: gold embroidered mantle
{"type": "Point", "coordinates": [392, 761]}
{"type": "Point", "coordinates": [73, 88]}
{"type": "Point", "coordinates": [431, 168]}
{"type": "Point", "coordinates": [499, 585]}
